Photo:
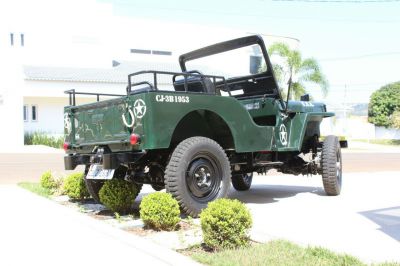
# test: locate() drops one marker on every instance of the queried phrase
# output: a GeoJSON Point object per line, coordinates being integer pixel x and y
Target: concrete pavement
{"type": "Point", "coordinates": [363, 221]}
{"type": "Point", "coordinates": [37, 231]}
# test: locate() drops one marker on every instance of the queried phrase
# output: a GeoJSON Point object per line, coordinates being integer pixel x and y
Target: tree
{"type": "Point", "coordinates": [384, 106]}
{"type": "Point", "coordinates": [301, 70]}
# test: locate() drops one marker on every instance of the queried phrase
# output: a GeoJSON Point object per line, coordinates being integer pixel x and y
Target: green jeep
{"type": "Point", "coordinates": [202, 132]}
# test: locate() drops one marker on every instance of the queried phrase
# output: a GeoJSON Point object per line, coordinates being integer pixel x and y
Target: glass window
{"type": "Point", "coordinates": [25, 113]}
{"type": "Point", "coordinates": [22, 39]}
{"type": "Point", "coordinates": [243, 61]}
{"type": "Point", "coordinates": [34, 113]}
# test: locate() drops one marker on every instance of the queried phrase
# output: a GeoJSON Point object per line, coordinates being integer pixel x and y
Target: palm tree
{"type": "Point", "coordinates": [302, 70]}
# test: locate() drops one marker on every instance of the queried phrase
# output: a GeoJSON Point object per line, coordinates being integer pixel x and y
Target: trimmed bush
{"type": "Point", "coordinates": [42, 138]}
{"type": "Point", "coordinates": [160, 211]}
{"type": "Point", "coordinates": [119, 195]}
{"type": "Point", "coordinates": [48, 181]}
{"type": "Point", "coordinates": [74, 186]}
{"type": "Point", "coordinates": [225, 224]}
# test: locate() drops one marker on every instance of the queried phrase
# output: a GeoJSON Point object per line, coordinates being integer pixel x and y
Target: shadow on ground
{"type": "Point", "coordinates": [261, 194]}
{"type": "Point", "coordinates": [388, 219]}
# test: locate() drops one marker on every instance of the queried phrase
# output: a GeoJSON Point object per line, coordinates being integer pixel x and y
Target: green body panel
{"type": "Point", "coordinates": [255, 124]}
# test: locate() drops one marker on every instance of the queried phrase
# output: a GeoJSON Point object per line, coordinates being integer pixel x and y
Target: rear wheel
{"type": "Point", "coordinates": [331, 163]}
{"type": "Point", "coordinates": [197, 173]}
{"type": "Point", "coordinates": [93, 187]}
{"type": "Point", "coordinates": [242, 182]}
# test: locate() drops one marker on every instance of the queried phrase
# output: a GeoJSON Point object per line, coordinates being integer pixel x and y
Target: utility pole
{"type": "Point", "coordinates": [345, 110]}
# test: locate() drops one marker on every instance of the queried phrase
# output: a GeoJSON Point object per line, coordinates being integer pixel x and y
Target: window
{"type": "Point", "coordinates": [34, 113]}
{"type": "Point", "coordinates": [22, 39]}
{"type": "Point", "coordinates": [161, 52]}
{"type": "Point", "coordinates": [12, 39]}
{"type": "Point", "coordinates": [25, 113]}
{"type": "Point", "coordinates": [140, 51]}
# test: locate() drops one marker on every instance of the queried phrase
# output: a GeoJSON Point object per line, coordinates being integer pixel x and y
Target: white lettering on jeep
{"type": "Point", "coordinates": [172, 98]}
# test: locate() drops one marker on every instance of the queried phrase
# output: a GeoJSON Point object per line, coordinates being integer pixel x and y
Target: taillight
{"type": "Point", "coordinates": [134, 139]}
{"type": "Point", "coordinates": [66, 146]}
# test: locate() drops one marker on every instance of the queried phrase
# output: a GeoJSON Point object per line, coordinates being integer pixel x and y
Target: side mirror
{"type": "Point", "coordinates": [305, 98]}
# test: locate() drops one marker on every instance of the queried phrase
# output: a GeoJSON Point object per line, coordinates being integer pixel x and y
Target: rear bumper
{"type": "Point", "coordinates": [108, 160]}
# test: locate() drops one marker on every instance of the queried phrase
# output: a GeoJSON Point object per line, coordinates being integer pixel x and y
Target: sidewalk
{"type": "Point", "coordinates": [365, 147]}
{"type": "Point", "coordinates": [36, 231]}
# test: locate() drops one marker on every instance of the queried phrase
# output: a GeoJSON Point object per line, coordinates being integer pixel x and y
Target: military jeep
{"type": "Point", "coordinates": [204, 131]}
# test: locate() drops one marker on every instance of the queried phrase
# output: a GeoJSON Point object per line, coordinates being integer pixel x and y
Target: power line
{"type": "Point", "coordinates": [359, 56]}
{"type": "Point", "coordinates": [261, 15]}
{"type": "Point", "coordinates": [340, 1]}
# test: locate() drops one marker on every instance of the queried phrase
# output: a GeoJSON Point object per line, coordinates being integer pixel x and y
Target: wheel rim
{"type": "Point", "coordinates": [247, 178]}
{"type": "Point", "coordinates": [203, 178]}
{"type": "Point", "coordinates": [339, 167]}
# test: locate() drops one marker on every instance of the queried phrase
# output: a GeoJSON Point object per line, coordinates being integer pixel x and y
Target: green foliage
{"type": "Point", "coordinates": [36, 188]}
{"type": "Point", "coordinates": [48, 181]}
{"type": "Point", "coordinates": [225, 224]}
{"type": "Point", "coordinates": [118, 195]}
{"type": "Point", "coordinates": [305, 70]}
{"type": "Point", "coordinates": [276, 252]}
{"type": "Point", "coordinates": [160, 211]}
{"type": "Point", "coordinates": [396, 119]}
{"type": "Point", "coordinates": [383, 105]}
{"type": "Point", "coordinates": [74, 186]}
{"type": "Point", "coordinates": [40, 138]}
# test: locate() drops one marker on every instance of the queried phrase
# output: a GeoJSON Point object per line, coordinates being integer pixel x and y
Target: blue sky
{"type": "Point", "coordinates": [357, 44]}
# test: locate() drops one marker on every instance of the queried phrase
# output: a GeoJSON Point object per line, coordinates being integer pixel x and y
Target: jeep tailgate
{"type": "Point", "coordinates": [97, 123]}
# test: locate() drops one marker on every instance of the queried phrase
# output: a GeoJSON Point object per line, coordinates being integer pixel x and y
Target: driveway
{"type": "Point", "coordinates": [363, 221]}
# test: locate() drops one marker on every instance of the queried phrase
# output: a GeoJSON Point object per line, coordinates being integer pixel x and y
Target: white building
{"type": "Point", "coordinates": [80, 45]}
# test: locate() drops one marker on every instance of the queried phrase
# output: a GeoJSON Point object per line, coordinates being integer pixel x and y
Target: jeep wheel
{"type": "Point", "coordinates": [93, 187]}
{"type": "Point", "coordinates": [242, 182]}
{"type": "Point", "coordinates": [331, 163]}
{"type": "Point", "coordinates": [157, 187]}
{"type": "Point", "coordinates": [197, 173]}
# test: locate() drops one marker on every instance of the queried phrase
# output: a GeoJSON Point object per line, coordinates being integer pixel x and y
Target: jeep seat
{"type": "Point", "coordinates": [195, 84]}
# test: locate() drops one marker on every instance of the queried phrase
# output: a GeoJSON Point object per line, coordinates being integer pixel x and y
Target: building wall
{"type": "Point", "coordinates": [49, 115]}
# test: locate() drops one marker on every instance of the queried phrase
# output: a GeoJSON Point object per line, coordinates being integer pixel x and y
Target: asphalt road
{"type": "Point", "coordinates": [15, 168]}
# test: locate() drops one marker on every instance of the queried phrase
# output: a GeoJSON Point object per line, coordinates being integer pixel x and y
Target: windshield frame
{"type": "Point", "coordinates": [232, 45]}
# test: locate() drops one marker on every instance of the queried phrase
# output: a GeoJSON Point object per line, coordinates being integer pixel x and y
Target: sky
{"type": "Point", "coordinates": [357, 42]}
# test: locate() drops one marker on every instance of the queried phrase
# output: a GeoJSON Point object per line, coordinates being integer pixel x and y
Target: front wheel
{"type": "Point", "coordinates": [331, 163]}
{"type": "Point", "coordinates": [242, 182]}
{"type": "Point", "coordinates": [197, 173]}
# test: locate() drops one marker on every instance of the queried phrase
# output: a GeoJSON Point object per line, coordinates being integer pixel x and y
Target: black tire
{"type": "Point", "coordinates": [157, 187]}
{"type": "Point", "coordinates": [242, 182]}
{"type": "Point", "coordinates": [331, 163]}
{"type": "Point", "coordinates": [197, 173]}
{"type": "Point", "coordinates": [93, 187]}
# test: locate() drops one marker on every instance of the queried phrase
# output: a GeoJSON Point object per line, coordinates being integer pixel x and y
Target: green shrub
{"type": "Point", "coordinates": [383, 104]}
{"type": "Point", "coordinates": [225, 224]}
{"type": "Point", "coordinates": [118, 195]}
{"type": "Point", "coordinates": [160, 211]}
{"type": "Point", "coordinates": [41, 138]}
{"type": "Point", "coordinates": [74, 186]}
{"type": "Point", "coordinates": [48, 181]}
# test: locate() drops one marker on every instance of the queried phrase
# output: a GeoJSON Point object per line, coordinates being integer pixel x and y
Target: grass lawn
{"type": "Point", "coordinates": [277, 252]}
{"type": "Point", "coordinates": [36, 188]}
{"type": "Point", "coordinates": [392, 142]}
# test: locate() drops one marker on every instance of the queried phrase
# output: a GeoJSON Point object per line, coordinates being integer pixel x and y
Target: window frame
{"type": "Point", "coordinates": [25, 110]}
{"type": "Point", "coordinates": [36, 113]}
